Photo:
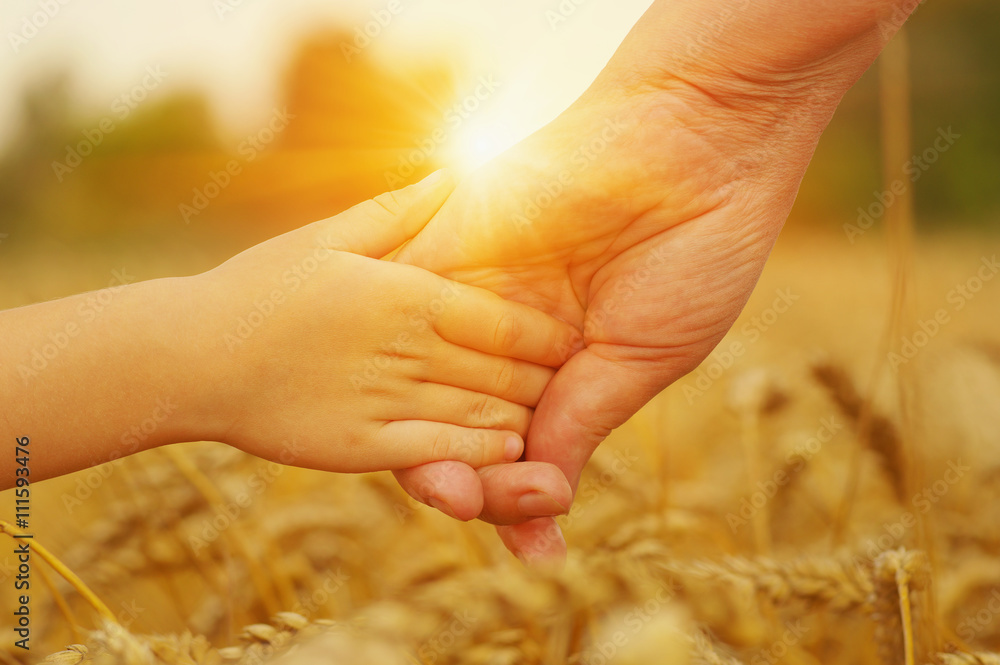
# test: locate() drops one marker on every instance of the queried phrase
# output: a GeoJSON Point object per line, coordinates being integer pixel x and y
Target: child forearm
{"type": "Point", "coordinates": [101, 375]}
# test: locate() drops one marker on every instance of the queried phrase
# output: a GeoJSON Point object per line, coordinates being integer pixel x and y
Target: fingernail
{"type": "Point", "coordinates": [442, 506]}
{"type": "Point", "coordinates": [539, 558]}
{"type": "Point", "coordinates": [539, 504]}
{"type": "Point", "coordinates": [512, 448]}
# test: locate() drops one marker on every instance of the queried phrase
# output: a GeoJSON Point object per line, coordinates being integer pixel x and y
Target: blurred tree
{"type": "Point", "coordinates": [353, 123]}
{"type": "Point", "coordinates": [955, 73]}
{"type": "Point", "coordinates": [355, 128]}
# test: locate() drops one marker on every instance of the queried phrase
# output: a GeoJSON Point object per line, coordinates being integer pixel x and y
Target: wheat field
{"type": "Point", "coordinates": [807, 500]}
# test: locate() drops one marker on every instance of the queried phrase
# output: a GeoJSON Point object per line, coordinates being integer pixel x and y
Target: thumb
{"type": "Point", "coordinates": [589, 396]}
{"type": "Point", "coordinates": [586, 399]}
{"type": "Point", "coordinates": [378, 226]}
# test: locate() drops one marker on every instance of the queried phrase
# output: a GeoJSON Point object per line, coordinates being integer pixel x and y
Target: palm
{"type": "Point", "coordinates": [640, 251]}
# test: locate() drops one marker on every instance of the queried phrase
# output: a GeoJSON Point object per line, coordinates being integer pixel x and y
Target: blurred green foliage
{"type": "Point", "coordinates": [355, 120]}
{"type": "Point", "coordinates": [955, 81]}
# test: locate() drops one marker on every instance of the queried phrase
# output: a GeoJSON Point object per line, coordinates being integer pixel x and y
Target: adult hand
{"type": "Point", "coordinates": [366, 364]}
{"type": "Point", "coordinates": [644, 216]}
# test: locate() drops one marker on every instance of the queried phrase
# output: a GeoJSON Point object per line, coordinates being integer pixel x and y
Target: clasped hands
{"type": "Point", "coordinates": [524, 324]}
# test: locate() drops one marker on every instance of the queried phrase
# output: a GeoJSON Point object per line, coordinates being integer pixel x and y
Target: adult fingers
{"type": "Point", "coordinates": [539, 542]}
{"type": "Point", "coordinates": [513, 493]}
{"type": "Point", "coordinates": [595, 392]}
{"type": "Point", "coordinates": [590, 396]}
{"type": "Point", "coordinates": [453, 488]}
{"type": "Point", "coordinates": [531, 489]}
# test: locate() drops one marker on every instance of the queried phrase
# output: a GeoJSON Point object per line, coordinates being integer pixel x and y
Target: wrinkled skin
{"type": "Point", "coordinates": [658, 197]}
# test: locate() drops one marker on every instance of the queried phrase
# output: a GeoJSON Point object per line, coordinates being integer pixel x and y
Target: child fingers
{"type": "Point", "coordinates": [378, 226]}
{"type": "Point", "coordinates": [509, 379]}
{"type": "Point", "coordinates": [415, 442]}
{"type": "Point", "coordinates": [448, 404]}
{"type": "Point", "coordinates": [483, 321]}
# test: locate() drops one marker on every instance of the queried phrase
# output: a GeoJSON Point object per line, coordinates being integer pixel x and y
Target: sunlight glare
{"type": "Point", "coordinates": [475, 144]}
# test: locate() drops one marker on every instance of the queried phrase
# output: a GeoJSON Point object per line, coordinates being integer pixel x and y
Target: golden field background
{"type": "Point", "coordinates": [849, 562]}
{"type": "Point", "coordinates": [654, 557]}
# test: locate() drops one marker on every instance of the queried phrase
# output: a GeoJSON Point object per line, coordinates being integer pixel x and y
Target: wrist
{"type": "Point", "coordinates": [761, 59]}
{"type": "Point", "coordinates": [194, 365]}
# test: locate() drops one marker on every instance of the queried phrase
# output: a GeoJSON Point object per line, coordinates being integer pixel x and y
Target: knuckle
{"type": "Point", "coordinates": [507, 379]}
{"type": "Point", "coordinates": [385, 203]}
{"type": "Point", "coordinates": [441, 447]}
{"type": "Point", "coordinates": [479, 409]}
{"type": "Point", "coordinates": [507, 332]}
{"type": "Point", "coordinates": [497, 414]}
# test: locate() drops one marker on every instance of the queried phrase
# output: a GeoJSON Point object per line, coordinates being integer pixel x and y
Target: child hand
{"type": "Point", "coordinates": [358, 364]}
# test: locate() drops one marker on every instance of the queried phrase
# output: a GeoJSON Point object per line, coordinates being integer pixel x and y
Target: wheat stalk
{"type": "Point", "coordinates": [235, 533]}
{"type": "Point", "coordinates": [981, 658]}
{"type": "Point", "coordinates": [60, 568]}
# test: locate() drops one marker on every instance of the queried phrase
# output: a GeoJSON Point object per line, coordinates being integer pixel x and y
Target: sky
{"type": "Point", "coordinates": [543, 53]}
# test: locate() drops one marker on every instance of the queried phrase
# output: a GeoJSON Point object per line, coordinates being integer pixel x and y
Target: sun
{"type": "Point", "coordinates": [475, 143]}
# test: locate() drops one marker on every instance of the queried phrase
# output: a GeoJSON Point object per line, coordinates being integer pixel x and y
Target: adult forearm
{"type": "Point", "coordinates": [101, 375]}
{"type": "Point", "coordinates": [765, 40]}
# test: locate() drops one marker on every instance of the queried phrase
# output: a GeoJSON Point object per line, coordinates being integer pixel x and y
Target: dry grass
{"type": "Point", "coordinates": [348, 570]}
{"type": "Point", "coordinates": [792, 551]}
